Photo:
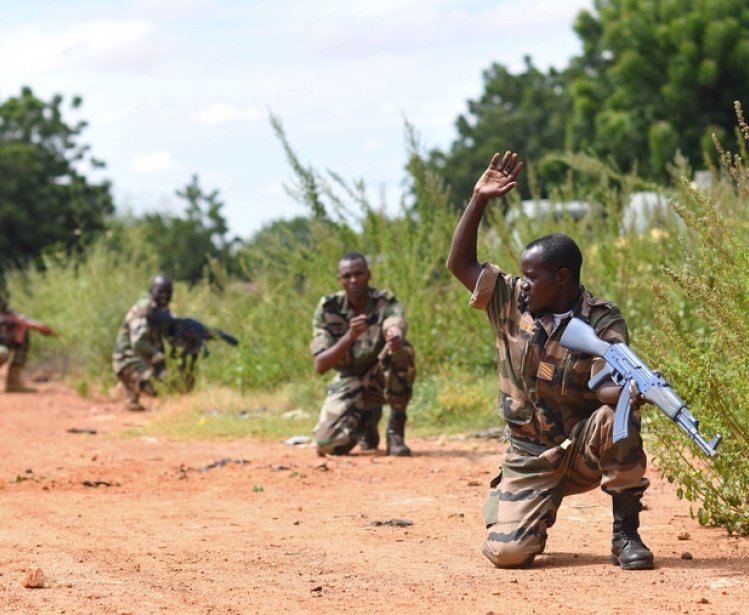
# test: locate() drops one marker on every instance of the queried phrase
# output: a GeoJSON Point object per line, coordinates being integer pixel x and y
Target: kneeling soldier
{"type": "Point", "coordinates": [360, 332]}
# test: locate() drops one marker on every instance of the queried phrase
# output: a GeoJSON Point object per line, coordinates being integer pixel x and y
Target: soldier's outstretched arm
{"type": "Point", "coordinates": [498, 179]}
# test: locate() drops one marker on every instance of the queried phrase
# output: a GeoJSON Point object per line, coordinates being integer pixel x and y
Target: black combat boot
{"type": "Point", "coordinates": [627, 548]}
{"type": "Point", "coordinates": [396, 426]}
{"type": "Point", "coordinates": [370, 437]}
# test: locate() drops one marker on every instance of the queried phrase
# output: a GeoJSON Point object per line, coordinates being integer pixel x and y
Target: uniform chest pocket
{"type": "Point", "coordinates": [524, 352]}
{"type": "Point", "coordinates": [336, 328]}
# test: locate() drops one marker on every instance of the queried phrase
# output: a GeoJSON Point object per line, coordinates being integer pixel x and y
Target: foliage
{"type": "Point", "coordinates": [187, 244]}
{"type": "Point", "coordinates": [45, 200]}
{"type": "Point", "coordinates": [703, 343]}
{"type": "Point", "coordinates": [85, 302]}
{"type": "Point", "coordinates": [654, 79]}
{"type": "Point", "coordinates": [658, 76]}
{"type": "Point", "coordinates": [527, 111]}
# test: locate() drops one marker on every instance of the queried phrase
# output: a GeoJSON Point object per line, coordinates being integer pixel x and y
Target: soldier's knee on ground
{"type": "Point", "coordinates": [512, 554]}
{"type": "Point", "coordinates": [334, 448]}
{"type": "Point", "coordinates": [4, 354]}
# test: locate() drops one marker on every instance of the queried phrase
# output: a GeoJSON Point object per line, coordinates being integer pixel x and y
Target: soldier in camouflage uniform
{"type": "Point", "coordinates": [560, 433]}
{"type": "Point", "coordinates": [14, 339]}
{"type": "Point", "coordinates": [138, 355]}
{"type": "Point", "coordinates": [360, 332]}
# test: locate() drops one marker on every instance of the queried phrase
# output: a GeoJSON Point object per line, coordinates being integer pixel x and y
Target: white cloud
{"type": "Point", "coordinates": [275, 189]}
{"type": "Point", "coordinates": [373, 144]}
{"type": "Point", "coordinates": [226, 113]}
{"type": "Point", "coordinates": [120, 45]}
{"type": "Point", "coordinates": [171, 9]}
{"type": "Point", "coordinates": [153, 163]}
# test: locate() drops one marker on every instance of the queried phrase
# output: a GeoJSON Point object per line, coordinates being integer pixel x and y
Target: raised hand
{"type": "Point", "coordinates": [499, 177]}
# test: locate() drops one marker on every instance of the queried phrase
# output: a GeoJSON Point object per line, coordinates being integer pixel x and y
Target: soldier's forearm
{"type": "Point", "coordinates": [462, 260]}
{"type": "Point", "coordinates": [329, 358]}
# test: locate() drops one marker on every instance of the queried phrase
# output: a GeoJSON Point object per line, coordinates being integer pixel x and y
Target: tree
{"type": "Point", "coordinates": [45, 200]}
{"type": "Point", "coordinates": [657, 76]}
{"type": "Point", "coordinates": [525, 113]}
{"type": "Point", "coordinates": [654, 78]}
{"type": "Point", "coordinates": [187, 244]}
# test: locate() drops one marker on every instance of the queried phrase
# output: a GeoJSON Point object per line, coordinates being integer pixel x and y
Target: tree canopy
{"type": "Point", "coordinates": [653, 78]}
{"type": "Point", "coordinates": [45, 199]}
{"type": "Point", "coordinates": [657, 76]}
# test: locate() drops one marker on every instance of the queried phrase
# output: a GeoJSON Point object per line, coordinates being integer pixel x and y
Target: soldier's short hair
{"type": "Point", "coordinates": [559, 250]}
{"type": "Point", "coordinates": [161, 279]}
{"type": "Point", "coordinates": [354, 256]}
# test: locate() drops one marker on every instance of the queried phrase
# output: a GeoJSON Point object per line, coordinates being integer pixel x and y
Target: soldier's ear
{"type": "Point", "coordinates": [563, 276]}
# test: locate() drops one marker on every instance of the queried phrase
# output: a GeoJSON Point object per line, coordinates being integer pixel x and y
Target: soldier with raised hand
{"type": "Point", "coordinates": [360, 333]}
{"type": "Point", "coordinates": [138, 355]}
{"type": "Point", "coordinates": [15, 340]}
{"type": "Point", "coordinates": [560, 433]}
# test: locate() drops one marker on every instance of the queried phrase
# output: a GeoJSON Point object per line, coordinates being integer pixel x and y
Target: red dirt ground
{"type": "Point", "coordinates": [289, 532]}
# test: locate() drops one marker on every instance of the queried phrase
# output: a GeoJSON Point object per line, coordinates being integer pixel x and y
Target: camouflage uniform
{"type": "Point", "coordinates": [560, 435]}
{"type": "Point", "coordinates": [368, 376]}
{"type": "Point", "coordinates": [136, 343]}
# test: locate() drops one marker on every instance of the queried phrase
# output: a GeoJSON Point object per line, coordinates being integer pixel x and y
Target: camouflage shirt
{"type": "Point", "coordinates": [137, 340]}
{"type": "Point", "coordinates": [543, 387]}
{"type": "Point", "coordinates": [330, 323]}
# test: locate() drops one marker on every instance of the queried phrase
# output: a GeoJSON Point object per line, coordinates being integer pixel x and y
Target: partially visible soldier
{"type": "Point", "coordinates": [14, 338]}
{"type": "Point", "coordinates": [360, 332]}
{"type": "Point", "coordinates": [139, 348]}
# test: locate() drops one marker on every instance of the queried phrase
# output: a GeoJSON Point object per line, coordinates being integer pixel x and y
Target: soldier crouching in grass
{"type": "Point", "coordinates": [360, 332]}
{"type": "Point", "coordinates": [560, 433]}
{"type": "Point", "coordinates": [138, 355]}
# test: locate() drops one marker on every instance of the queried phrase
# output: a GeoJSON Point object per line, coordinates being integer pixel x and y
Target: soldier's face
{"type": "Point", "coordinates": [161, 294]}
{"type": "Point", "coordinates": [540, 284]}
{"type": "Point", "coordinates": [354, 278]}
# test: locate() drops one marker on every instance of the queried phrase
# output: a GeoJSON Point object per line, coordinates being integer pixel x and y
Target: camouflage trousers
{"type": "Point", "coordinates": [19, 351]}
{"type": "Point", "coordinates": [526, 495]}
{"type": "Point", "coordinates": [136, 378]}
{"type": "Point", "coordinates": [351, 400]}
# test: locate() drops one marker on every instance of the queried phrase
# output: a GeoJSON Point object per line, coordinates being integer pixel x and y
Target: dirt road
{"type": "Point", "coordinates": [122, 525]}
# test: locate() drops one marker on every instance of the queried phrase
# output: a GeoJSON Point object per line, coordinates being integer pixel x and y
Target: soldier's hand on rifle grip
{"type": "Point", "coordinates": [157, 358]}
{"type": "Point", "coordinates": [609, 392]}
{"type": "Point", "coordinates": [636, 399]}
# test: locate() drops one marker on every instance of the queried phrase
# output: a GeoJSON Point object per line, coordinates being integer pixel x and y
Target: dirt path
{"type": "Point", "coordinates": [287, 533]}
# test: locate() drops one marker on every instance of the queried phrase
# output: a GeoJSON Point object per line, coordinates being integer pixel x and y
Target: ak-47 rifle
{"type": "Point", "coordinates": [622, 366]}
{"type": "Point", "coordinates": [188, 336]}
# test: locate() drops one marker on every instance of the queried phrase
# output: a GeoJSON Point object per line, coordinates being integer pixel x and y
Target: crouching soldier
{"type": "Point", "coordinates": [360, 332]}
{"type": "Point", "coordinates": [138, 355]}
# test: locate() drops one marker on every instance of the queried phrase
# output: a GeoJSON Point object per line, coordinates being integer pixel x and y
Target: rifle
{"type": "Point", "coordinates": [20, 325]}
{"type": "Point", "coordinates": [188, 335]}
{"type": "Point", "coordinates": [623, 365]}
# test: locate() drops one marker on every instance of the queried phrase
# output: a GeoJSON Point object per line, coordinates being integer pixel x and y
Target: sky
{"type": "Point", "coordinates": [173, 88]}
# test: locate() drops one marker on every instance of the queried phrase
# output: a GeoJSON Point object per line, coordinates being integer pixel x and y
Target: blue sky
{"type": "Point", "coordinates": [176, 87]}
